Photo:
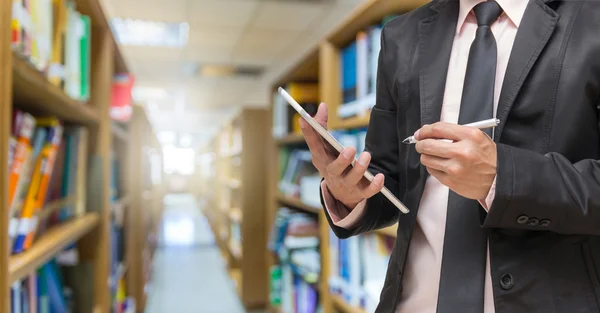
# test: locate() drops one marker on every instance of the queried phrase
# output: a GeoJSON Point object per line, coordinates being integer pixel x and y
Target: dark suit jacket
{"type": "Point", "coordinates": [544, 224]}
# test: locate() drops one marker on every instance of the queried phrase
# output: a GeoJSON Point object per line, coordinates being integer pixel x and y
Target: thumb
{"type": "Point", "coordinates": [322, 115]}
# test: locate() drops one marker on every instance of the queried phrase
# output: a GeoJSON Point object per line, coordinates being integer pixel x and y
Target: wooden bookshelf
{"type": "Point", "coordinates": [322, 64]}
{"type": "Point", "coordinates": [52, 242]}
{"type": "Point", "coordinates": [144, 201]}
{"type": "Point", "coordinates": [391, 231]}
{"type": "Point", "coordinates": [23, 87]}
{"type": "Point", "coordinates": [34, 93]}
{"type": "Point", "coordinates": [341, 306]}
{"type": "Point", "coordinates": [235, 161]}
{"type": "Point", "coordinates": [291, 139]}
{"type": "Point", "coordinates": [297, 204]}
{"type": "Point", "coordinates": [350, 123]}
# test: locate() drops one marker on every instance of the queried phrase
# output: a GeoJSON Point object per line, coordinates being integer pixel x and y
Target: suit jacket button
{"type": "Point", "coordinates": [522, 219]}
{"type": "Point", "coordinates": [533, 222]}
{"type": "Point", "coordinates": [506, 282]}
{"type": "Point", "coordinates": [545, 223]}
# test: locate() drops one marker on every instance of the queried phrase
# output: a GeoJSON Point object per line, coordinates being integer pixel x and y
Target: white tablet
{"type": "Point", "coordinates": [325, 134]}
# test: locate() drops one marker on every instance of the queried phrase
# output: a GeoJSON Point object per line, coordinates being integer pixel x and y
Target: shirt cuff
{"type": "Point", "coordinates": [487, 202]}
{"type": "Point", "coordinates": [340, 214]}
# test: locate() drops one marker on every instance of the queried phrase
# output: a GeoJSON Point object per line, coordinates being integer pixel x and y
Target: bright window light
{"type": "Point", "coordinates": [179, 160]}
{"type": "Point", "coordinates": [132, 32]}
{"type": "Point", "coordinates": [166, 137]}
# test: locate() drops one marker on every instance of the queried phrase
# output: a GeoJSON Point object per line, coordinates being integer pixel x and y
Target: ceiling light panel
{"type": "Point", "coordinates": [150, 33]}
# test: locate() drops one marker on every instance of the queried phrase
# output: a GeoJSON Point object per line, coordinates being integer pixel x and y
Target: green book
{"type": "Point", "coordinates": [275, 286]}
{"type": "Point", "coordinates": [85, 56]}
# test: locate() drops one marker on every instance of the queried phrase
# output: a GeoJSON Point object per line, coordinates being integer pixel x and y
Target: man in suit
{"type": "Point", "coordinates": [504, 220]}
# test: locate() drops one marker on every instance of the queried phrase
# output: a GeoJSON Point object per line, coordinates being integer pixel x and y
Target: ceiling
{"type": "Point", "coordinates": [269, 34]}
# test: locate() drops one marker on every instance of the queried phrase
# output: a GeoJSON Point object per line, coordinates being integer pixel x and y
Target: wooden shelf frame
{"type": "Point", "coordinates": [340, 305]}
{"type": "Point", "coordinates": [322, 64]}
{"type": "Point", "coordinates": [296, 203]}
{"type": "Point", "coordinates": [144, 204]}
{"type": "Point", "coordinates": [51, 242]}
{"type": "Point", "coordinates": [291, 139]}
{"type": "Point", "coordinates": [235, 193]}
{"type": "Point", "coordinates": [33, 92]}
{"type": "Point", "coordinates": [24, 88]}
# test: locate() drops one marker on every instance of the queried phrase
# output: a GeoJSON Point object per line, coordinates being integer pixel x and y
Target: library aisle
{"type": "Point", "coordinates": [189, 274]}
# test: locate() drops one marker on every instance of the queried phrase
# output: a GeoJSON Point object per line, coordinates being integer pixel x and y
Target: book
{"type": "Point", "coordinates": [39, 185]}
{"type": "Point", "coordinates": [294, 281]}
{"type": "Point", "coordinates": [358, 72]}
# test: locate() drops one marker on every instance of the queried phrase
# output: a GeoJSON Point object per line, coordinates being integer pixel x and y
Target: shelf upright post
{"type": "Point", "coordinates": [5, 125]}
{"type": "Point", "coordinates": [95, 247]}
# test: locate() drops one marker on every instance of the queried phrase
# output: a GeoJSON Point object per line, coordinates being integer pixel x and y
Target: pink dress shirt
{"type": "Point", "coordinates": [420, 282]}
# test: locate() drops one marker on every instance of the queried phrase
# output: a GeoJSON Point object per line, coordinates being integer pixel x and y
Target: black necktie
{"type": "Point", "coordinates": [462, 280]}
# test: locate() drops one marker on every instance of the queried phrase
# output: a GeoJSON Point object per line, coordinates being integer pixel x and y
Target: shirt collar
{"type": "Point", "coordinates": [514, 9]}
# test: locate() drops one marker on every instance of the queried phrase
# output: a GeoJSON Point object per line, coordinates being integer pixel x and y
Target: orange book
{"type": "Point", "coordinates": [47, 164]}
{"type": "Point", "coordinates": [21, 153]}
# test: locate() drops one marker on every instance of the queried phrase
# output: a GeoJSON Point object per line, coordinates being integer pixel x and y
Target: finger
{"type": "Point", "coordinates": [313, 139]}
{"type": "Point", "coordinates": [439, 175]}
{"type": "Point", "coordinates": [435, 147]}
{"type": "Point", "coordinates": [374, 187]}
{"type": "Point", "coordinates": [339, 165]}
{"type": "Point", "coordinates": [322, 115]}
{"type": "Point", "coordinates": [434, 162]}
{"type": "Point", "coordinates": [354, 176]}
{"type": "Point", "coordinates": [443, 130]}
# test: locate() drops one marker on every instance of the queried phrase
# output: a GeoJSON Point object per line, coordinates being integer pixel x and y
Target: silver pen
{"type": "Point", "coordinates": [493, 122]}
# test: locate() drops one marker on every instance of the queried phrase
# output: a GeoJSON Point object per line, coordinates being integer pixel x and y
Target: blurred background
{"type": "Point", "coordinates": [152, 166]}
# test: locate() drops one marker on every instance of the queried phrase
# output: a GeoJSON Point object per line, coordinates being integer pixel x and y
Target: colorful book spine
{"type": "Point", "coordinates": [85, 52]}
{"type": "Point", "coordinates": [38, 186]}
{"type": "Point", "coordinates": [56, 72]}
{"type": "Point", "coordinates": [21, 193]}
{"type": "Point", "coordinates": [21, 153]}
{"type": "Point", "coordinates": [46, 172]}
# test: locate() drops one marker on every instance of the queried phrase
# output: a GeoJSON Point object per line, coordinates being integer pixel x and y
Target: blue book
{"type": "Point", "coordinates": [55, 289]}
{"type": "Point", "coordinates": [348, 73]}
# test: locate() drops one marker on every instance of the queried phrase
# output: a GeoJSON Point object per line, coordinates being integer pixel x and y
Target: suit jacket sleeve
{"type": "Point", "coordinates": [545, 192]}
{"type": "Point", "coordinates": [382, 142]}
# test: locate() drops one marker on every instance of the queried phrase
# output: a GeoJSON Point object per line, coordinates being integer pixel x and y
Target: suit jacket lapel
{"type": "Point", "coordinates": [436, 35]}
{"type": "Point", "coordinates": [535, 29]}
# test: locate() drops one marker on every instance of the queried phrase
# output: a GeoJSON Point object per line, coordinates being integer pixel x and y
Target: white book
{"type": "Point", "coordinates": [362, 77]}
{"type": "Point", "coordinates": [374, 48]}
{"type": "Point", "coordinates": [354, 270]}
{"type": "Point", "coordinates": [280, 120]}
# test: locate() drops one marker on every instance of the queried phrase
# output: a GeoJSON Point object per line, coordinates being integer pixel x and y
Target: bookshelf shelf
{"type": "Point", "coordinates": [52, 242]}
{"type": "Point", "coordinates": [291, 139]}
{"type": "Point", "coordinates": [353, 122]}
{"type": "Point", "coordinates": [297, 204]}
{"type": "Point", "coordinates": [33, 91]}
{"type": "Point", "coordinates": [344, 307]}
{"type": "Point", "coordinates": [236, 277]}
{"type": "Point", "coordinates": [53, 205]}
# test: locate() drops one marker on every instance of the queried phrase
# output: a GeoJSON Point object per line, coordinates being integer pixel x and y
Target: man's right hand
{"type": "Point", "coordinates": [345, 182]}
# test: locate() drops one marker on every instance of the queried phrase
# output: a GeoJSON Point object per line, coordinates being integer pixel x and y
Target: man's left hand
{"type": "Point", "coordinates": [467, 164]}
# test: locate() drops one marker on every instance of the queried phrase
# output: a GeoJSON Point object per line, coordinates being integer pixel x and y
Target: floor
{"type": "Point", "coordinates": [189, 274]}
